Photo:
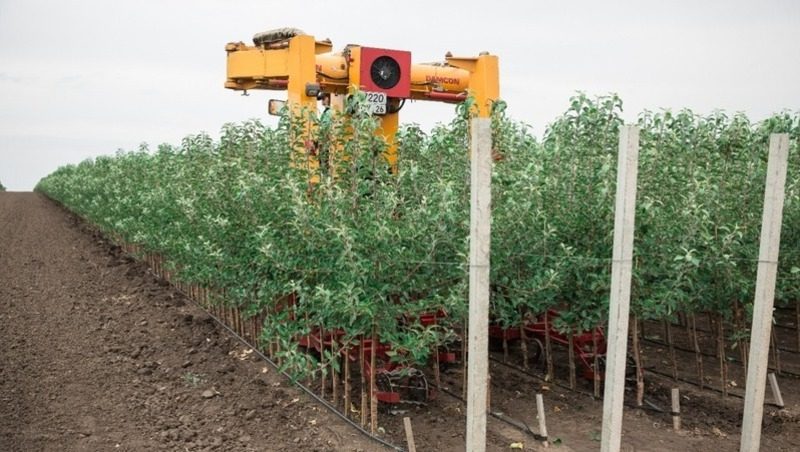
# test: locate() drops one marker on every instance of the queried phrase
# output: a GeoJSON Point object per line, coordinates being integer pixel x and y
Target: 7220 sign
{"type": "Point", "coordinates": [376, 102]}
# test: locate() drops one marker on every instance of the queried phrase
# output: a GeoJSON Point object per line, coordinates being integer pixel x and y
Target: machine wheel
{"type": "Point", "coordinates": [536, 352]}
{"type": "Point", "coordinates": [630, 367]}
{"type": "Point", "coordinates": [416, 387]}
{"type": "Point", "coordinates": [383, 382]}
{"type": "Point", "coordinates": [410, 383]}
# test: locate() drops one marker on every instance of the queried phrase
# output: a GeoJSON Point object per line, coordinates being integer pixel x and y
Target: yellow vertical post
{"type": "Point", "coordinates": [389, 125]}
{"type": "Point", "coordinates": [302, 70]}
{"type": "Point", "coordinates": [354, 71]}
{"type": "Point", "coordinates": [484, 80]}
{"type": "Point", "coordinates": [485, 84]}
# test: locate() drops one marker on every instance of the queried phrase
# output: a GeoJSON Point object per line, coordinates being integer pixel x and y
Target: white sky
{"type": "Point", "coordinates": [84, 78]}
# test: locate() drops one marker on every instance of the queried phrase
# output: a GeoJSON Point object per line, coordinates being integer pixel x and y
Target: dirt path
{"type": "Point", "coordinates": [96, 355]}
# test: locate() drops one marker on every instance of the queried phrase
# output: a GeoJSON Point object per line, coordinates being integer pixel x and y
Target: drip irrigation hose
{"type": "Point", "coordinates": [775, 325]}
{"type": "Point", "coordinates": [521, 426]}
{"type": "Point", "coordinates": [305, 389]}
{"type": "Point", "coordinates": [731, 359]}
{"type": "Point", "coordinates": [653, 406]}
{"type": "Point", "coordinates": [686, 380]}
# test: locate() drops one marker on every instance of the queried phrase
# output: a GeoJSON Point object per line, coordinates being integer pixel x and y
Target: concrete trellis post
{"type": "Point", "coordinates": [765, 292]}
{"type": "Point", "coordinates": [621, 272]}
{"type": "Point", "coordinates": [479, 246]}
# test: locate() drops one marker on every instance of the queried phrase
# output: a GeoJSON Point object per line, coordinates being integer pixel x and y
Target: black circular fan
{"type": "Point", "coordinates": [385, 72]}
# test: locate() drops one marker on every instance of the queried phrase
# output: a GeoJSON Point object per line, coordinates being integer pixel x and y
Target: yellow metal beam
{"type": "Point", "coordinates": [437, 77]}
{"type": "Point", "coordinates": [301, 61]}
{"type": "Point", "coordinates": [484, 83]}
{"type": "Point", "coordinates": [301, 70]}
{"type": "Point", "coordinates": [257, 68]}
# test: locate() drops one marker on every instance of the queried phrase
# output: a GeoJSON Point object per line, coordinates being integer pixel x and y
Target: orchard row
{"type": "Point", "coordinates": [360, 248]}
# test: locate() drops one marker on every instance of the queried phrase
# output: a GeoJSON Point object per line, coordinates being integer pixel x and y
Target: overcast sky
{"type": "Point", "coordinates": [84, 78]}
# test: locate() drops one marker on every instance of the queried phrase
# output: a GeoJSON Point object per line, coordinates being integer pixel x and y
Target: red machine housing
{"type": "Point", "coordinates": [369, 55]}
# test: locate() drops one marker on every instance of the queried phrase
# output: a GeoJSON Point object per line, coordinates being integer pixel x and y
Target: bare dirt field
{"type": "Point", "coordinates": [97, 355]}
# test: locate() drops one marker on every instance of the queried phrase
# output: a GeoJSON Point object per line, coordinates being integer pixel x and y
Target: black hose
{"type": "Point", "coordinates": [783, 372]}
{"type": "Point", "coordinates": [521, 426]}
{"type": "Point", "coordinates": [653, 407]}
{"type": "Point", "coordinates": [685, 380]}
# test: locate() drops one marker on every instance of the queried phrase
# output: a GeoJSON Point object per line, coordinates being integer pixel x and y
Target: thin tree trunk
{"type": "Point", "coordinates": [437, 377]}
{"type": "Point", "coordinates": [244, 324]}
{"type": "Point", "coordinates": [270, 344]}
{"type": "Point", "coordinates": [548, 348]}
{"type": "Point", "coordinates": [489, 393]}
{"type": "Point", "coordinates": [571, 353]}
{"type": "Point", "coordinates": [637, 358]}
{"type": "Point", "coordinates": [673, 360]}
{"type": "Point", "coordinates": [373, 409]}
{"type": "Point", "coordinates": [697, 355]}
{"type": "Point", "coordinates": [334, 378]}
{"type": "Point", "coordinates": [523, 345]}
{"type": "Point", "coordinates": [347, 381]}
{"type": "Point", "coordinates": [322, 361]}
{"type": "Point", "coordinates": [243, 330]}
{"type": "Point", "coordinates": [710, 320]}
{"type": "Point", "coordinates": [776, 352]}
{"type": "Point", "coordinates": [723, 362]}
{"type": "Point", "coordinates": [260, 326]}
{"type": "Point", "coordinates": [741, 343]}
{"type": "Point", "coordinates": [364, 366]}
{"type": "Point", "coordinates": [596, 364]}
{"type": "Point", "coordinates": [309, 372]}
{"type": "Point", "coordinates": [464, 346]}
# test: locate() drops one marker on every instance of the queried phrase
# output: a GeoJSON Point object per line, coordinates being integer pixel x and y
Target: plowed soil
{"type": "Point", "coordinates": [98, 354]}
